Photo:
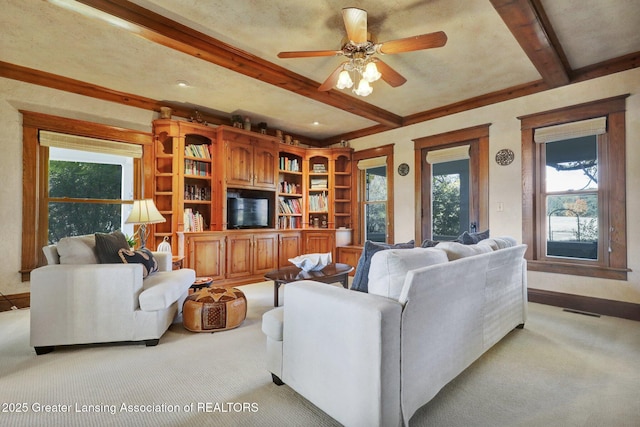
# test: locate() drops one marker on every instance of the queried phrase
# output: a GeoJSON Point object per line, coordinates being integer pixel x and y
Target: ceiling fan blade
{"type": "Point", "coordinates": [424, 41]}
{"type": "Point", "coordinates": [389, 75]}
{"type": "Point", "coordinates": [309, 53]}
{"type": "Point", "coordinates": [332, 79]}
{"type": "Point", "coordinates": [355, 22]}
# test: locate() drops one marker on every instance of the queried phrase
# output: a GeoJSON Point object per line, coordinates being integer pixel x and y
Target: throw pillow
{"type": "Point", "coordinates": [142, 256]}
{"type": "Point", "coordinates": [107, 246]}
{"type": "Point", "coordinates": [467, 238]}
{"type": "Point", "coordinates": [426, 243]}
{"type": "Point", "coordinates": [456, 250]}
{"type": "Point", "coordinates": [77, 250]}
{"type": "Point", "coordinates": [361, 278]}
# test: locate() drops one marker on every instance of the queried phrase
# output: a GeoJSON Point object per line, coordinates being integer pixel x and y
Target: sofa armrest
{"type": "Point", "coordinates": [341, 350]}
{"type": "Point", "coordinates": [73, 304]}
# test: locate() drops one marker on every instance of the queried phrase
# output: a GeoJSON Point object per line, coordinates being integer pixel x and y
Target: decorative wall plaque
{"type": "Point", "coordinates": [504, 157]}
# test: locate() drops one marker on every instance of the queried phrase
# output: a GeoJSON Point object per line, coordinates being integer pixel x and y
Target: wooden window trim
{"type": "Point", "coordinates": [478, 139]}
{"type": "Point", "coordinates": [615, 203]}
{"type": "Point", "coordinates": [35, 172]}
{"type": "Point", "coordinates": [369, 153]}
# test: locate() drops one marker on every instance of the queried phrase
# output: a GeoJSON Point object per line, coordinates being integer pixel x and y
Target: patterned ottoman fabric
{"type": "Point", "coordinates": [214, 309]}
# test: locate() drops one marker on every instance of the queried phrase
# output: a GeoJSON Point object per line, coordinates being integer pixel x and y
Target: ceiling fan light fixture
{"type": "Point", "coordinates": [371, 73]}
{"type": "Point", "coordinates": [344, 80]}
{"type": "Point", "coordinates": [363, 89]}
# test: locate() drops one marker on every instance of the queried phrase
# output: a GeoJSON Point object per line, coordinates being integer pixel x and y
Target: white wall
{"type": "Point", "coordinates": [16, 96]}
{"type": "Point", "coordinates": [505, 181]}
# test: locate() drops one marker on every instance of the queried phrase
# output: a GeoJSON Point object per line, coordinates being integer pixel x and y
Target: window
{"type": "Point", "coordinates": [375, 197]}
{"type": "Point", "coordinates": [452, 177]}
{"type": "Point", "coordinates": [57, 151]}
{"type": "Point", "coordinates": [574, 190]}
{"type": "Point", "coordinates": [375, 203]}
{"type": "Point", "coordinates": [450, 188]}
{"type": "Point", "coordinates": [86, 193]}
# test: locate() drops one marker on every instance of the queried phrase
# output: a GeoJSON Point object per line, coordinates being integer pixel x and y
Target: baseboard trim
{"type": "Point", "coordinates": [19, 300]}
{"type": "Point", "coordinates": [605, 307]}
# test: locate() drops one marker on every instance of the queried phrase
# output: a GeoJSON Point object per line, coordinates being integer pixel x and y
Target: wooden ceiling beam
{"type": "Point", "coordinates": [528, 23]}
{"type": "Point", "coordinates": [169, 33]}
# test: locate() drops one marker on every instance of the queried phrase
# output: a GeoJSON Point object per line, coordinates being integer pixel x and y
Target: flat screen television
{"type": "Point", "coordinates": [246, 212]}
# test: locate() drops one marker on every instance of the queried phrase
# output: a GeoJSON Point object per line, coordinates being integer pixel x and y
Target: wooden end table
{"type": "Point", "coordinates": [330, 274]}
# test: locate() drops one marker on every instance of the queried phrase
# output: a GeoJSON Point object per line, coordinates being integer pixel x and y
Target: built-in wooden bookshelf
{"type": "Point", "coordinates": [290, 188]}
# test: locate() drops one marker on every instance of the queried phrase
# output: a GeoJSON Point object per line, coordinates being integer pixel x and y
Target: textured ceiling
{"type": "Point", "coordinates": [480, 57]}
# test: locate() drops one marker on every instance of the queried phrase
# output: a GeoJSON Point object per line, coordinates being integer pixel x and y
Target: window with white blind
{"type": "Point", "coordinates": [574, 190]}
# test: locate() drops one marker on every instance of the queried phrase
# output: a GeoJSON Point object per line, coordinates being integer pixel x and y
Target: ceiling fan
{"type": "Point", "coordinates": [360, 48]}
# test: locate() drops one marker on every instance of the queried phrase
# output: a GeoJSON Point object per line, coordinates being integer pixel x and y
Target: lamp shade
{"type": "Point", "coordinates": [144, 212]}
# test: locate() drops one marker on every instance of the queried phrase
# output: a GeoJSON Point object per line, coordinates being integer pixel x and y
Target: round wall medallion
{"type": "Point", "coordinates": [504, 157]}
{"type": "Point", "coordinates": [403, 169]}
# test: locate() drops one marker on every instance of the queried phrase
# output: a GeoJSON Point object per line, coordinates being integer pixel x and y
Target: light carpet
{"type": "Point", "coordinates": [563, 369]}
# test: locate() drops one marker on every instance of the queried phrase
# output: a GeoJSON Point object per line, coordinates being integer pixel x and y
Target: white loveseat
{"type": "Point", "coordinates": [82, 301]}
{"type": "Point", "coordinates": [373, 359]}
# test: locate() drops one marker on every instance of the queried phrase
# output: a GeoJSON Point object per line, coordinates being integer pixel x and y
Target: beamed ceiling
{"type": "Point", "coordinates": [133, 53]}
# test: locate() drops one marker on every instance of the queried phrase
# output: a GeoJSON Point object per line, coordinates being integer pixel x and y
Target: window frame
{"type": "Point", "coordinates": [358, 231]}
{"type": "Point", "coordinates": [35, 174]}
{"type": "Point", "coordinates": [612, 209]}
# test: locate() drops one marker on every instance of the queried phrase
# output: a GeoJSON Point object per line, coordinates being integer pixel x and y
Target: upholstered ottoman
{"type": "Point", "coordinates": [214, 309]}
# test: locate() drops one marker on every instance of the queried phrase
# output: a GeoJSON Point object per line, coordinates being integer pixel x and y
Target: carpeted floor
{"type": "Point", "coordinates": [563, 369]}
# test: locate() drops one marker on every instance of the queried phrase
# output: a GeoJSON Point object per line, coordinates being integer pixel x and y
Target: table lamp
{"type": "Point", "coordinates": [144, 212]}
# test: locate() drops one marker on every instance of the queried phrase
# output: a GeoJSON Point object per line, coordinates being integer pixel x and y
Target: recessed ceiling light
{"type": "Point", "coordinates": [182, 83]}
{"type": "Point", "coordinates": [316, 123]}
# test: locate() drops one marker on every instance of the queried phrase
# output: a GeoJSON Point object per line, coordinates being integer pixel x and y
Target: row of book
{"type": "Point", "coordinates": [290, 188]}
{"type": "Point", "coordinates": [193, 221]}
{"type": "Point", "coordinates": [291, 165]}
{"type": "Point", "coordinates": [194, 167]}
{"type": "Point", "coordinates": [285, 222]}
{"type": "Point", "coordinates": [289, 206]}
{"type": "Point", "coordinates": [196, 192]}
{"type": "Point", "coordinates": [319, 183]}
{"type": "Point", "coordinates": [318, 202]}
{"type": "Point", "coordinates": [197, 150]}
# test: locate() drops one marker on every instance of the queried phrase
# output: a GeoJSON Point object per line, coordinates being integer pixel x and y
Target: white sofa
{"type": "Point", "coordinates": [373, 359]}
{"type": "Point", "coordinates": [83, 302]}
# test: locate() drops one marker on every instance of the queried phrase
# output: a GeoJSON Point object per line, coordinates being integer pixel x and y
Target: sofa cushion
{"type": "Point", "coordinates": [389, 268]}
{"type": "Point", "coordinates": [272, 322]}
{"type": "Point", "coordinates": [77, 250]}
{"type": "Point", "coordinates": [162, 289]}
{"type": "Point", "coordinates": [107, 246]}
{"type": "Point", "coordinates": [361, 278]}
{"type": "Point", "coordinates": [457, 250]}
{"type": "Point", "coordinates": [142, 256]}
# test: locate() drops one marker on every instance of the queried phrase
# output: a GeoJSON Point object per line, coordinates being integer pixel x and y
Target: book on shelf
{"type": "Point", "coordinates": [290, 165]}
{"type": "Point", "coordinates": [193, 221]}
{"type": "Point", "coordinates": [289, 222]}
{"type": "Point", "coordinates": [197, 150]}
{"type": "Point", "coordinates": [289, 206]}
{"type": "Point", "coordinates": [319, 183]}
{"type": "Point", "coordinates": [319, 168]}
{"type": "Point", "coordinates": [318, 202]}
{"type": "Point", "coordinates": [194, 167]}
{"type": "Point", "coordinates": [197, 192]}
{"type": "Point", "coordinates": [290, 188]}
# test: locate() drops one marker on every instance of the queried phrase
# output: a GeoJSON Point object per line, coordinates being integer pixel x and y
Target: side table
{"type": "Point", "coordinates": [201, 282]}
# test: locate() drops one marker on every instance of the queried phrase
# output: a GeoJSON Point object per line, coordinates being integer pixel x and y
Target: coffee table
{"type": "Point", "coordinates": [330, 274]}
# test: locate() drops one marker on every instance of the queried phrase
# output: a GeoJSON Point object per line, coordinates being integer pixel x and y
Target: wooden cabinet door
{"type": "Point", "coordinates": [265, 165]}
{"type": "Point", "coordinates": [239, 168]}
{"type": "Point", "coordinates": [206, 256]}
{"type": "Point", "coordinates": [289, 247]}
{"type": "Point", "coordinates": [320, 242]}
{"type": "Point", "coordinates": [350, 256]}
{"type": "Point", "coordinates": [265, 253]}
{"type": "Point", "coordinates": [239, 259]}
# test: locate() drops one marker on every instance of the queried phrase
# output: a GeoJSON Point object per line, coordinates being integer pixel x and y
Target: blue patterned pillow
{"type": "Point", "coordinates": [361, 278]}
{"type": "Point", "coordinates": [142, 256]}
